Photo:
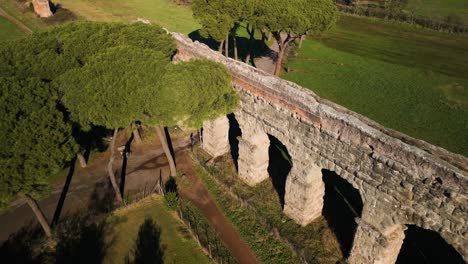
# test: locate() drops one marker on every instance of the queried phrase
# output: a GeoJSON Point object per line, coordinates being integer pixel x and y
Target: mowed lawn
{"type": "Point", "coordinates": [9, 31]}
{"type": "Point", "coordinates": [178, 243]}
{"type": "Point", "coordinates": [408, 79]}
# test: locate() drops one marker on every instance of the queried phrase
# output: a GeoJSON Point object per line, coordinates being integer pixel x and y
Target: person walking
{"type": "Point", "coordinates": [192, 141]}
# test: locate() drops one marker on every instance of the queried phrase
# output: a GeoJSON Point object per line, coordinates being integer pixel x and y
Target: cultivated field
{"type": "Point", "coordinates": [408, 79]}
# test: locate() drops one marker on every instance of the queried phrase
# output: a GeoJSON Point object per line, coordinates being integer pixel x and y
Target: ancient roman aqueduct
{"type": "Point", "coordinates": [402, 181]}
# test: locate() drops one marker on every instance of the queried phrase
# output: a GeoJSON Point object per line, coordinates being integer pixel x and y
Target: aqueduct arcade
{"type": "Point", "coordinates": [398, 190]}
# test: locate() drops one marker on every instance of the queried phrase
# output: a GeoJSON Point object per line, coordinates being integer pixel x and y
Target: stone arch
{"type": "Point", "coordinates": [279, 166]}
{"type": "Point", "coordinates": [426, 246]}
{"type": "Point", "coordinates": [342, 205]}
{"type": "Point", "coordinates": [233, 134]}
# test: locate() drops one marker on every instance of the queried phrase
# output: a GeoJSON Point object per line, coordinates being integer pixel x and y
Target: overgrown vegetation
{"type": "Point", "coordinates": [256, 213]}
{"type": "Point", "coordinates": [204, 233]}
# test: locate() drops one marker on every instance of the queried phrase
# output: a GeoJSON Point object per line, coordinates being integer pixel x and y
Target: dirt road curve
{"type": "Point", "coordinates": [15, 21]}
{"type": "Point", "coordinates": [199, 195]}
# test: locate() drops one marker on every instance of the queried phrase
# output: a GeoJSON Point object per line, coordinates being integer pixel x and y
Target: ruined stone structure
{"type": "Point", "coordinates": [42, 8]}
{"type": "Point", "coordinates": [402, 181]}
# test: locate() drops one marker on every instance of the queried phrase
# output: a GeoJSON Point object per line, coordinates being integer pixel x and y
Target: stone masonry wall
{"type": "Point", "coordinates": [401, 180]}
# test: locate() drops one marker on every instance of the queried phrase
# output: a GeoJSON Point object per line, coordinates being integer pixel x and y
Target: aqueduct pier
{"type": "Point", "coordinates": [403, 183]}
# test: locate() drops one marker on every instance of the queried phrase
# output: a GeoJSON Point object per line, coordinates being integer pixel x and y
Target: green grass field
{"type": "Point", "coordinates": [9, 31]}
{"type": "Point", "coordinates": [408, 79]}
{"type": "Point", "coordinates": [162, 12]}
{"type": "Point", "coordinates": [439, 9]}
{"type": "Point", "coordinates": [179, 245]}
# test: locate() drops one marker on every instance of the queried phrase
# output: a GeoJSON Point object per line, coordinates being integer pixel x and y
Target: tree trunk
{"type": "Point", "coordinates": [235, 46]}
{"type": "Point", "coordinates": [226, 46]}
{"type": "Point", "coordinates": [269, 36]}
{"type": "Point", "coordinates": [249, 49]}
{"type": "Point", "coordinates": [220, 48]}
{"type": "Point", "coordinates": [280, 60]}
{"type": "Point", "coordinates": [110, 169]}
{"type": "Point", "coordinates": [39, 214]}
{"type": "Point", "coordinates": [82, 160]}
{"type": "Point", "coordinates": [170, 159]}
{"type": "Point", "coordinates": [301, 40]}
{"type": "Point", "coordinates": [136, 133]}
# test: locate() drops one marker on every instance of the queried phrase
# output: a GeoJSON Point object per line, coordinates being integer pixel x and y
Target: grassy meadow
{"type": "Point", "coordinates": [178, 243]}
{"type": "Point", "coordinates": [408, 79]}
{"type": "Point", "coordinates": [9, 31]}
{"type": "Point", "coordinates": [163, 12]}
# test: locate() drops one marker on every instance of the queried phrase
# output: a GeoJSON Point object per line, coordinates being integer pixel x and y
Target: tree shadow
{"type": "Point", "coordinates": [342, 204]}
{"type": "Point", "coordinates": [279, 166]}
{"type": "Point", "coordinates": [196, 36]}
{"type": "Point", "coordinates": [426, 246]}
{"type": "Point", "coordinates": [22, 246]}
{"type": "Point", "coordinates": [259, 47]}
{"type": "Point", "coordinates": [90, 140]}
{"type": "Point", "coordinates": [125, 155]}
{"type": "Point", "coordinates": [63, 195]}
{"type": "Point", "coordinates": [171, 185]}
{"type": "Point", "coordinates": [81, 239]}
{"type": "Point", "coordinates": [102, 199]}
{"type": "Point", "coordinates": [169, 143]}
{"type": "Point", "coordinates": [234, 133]}
{"type": "Point", "coordinates": [148, 248]}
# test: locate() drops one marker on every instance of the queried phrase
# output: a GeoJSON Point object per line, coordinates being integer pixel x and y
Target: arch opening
{"type": "Point", "coordinates": [234, 132]}
{"type": "Point", "coordinates": [342, 204]}
{"type": "Point", "coordinates": [279, 166]}
{"type": "Point", "coordinates": [426, 246]}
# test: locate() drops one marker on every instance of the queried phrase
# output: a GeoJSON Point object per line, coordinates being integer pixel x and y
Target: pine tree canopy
{"type": "Point", "coordinates": [48, 54]}
{"type": "Point", "coordinates": [217, 17]}
{"type": "Point", "coordinates": [193, 92]}
{"type": "Point", "coordinates": [36, 141]}
{"type": "Point", "coordinates": [299, 17]}
{"type": "Point", "coordinates": [112, 88]}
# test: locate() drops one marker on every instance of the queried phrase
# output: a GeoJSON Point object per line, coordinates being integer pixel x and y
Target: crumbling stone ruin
{"type": "Point", "coordinates": [403, 182]}
{"type": "Point", "coordinates": [42, 8]}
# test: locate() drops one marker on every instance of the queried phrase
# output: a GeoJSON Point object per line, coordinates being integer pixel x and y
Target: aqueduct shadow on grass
{"type": "Point", "coordinates": [234, 132]}
{"type": "Point", "coordinates": [426, 246]}
{"type": "Point", "coordinates": [279, 166]}
{"type": "Point", "coordinates": [342, 204]}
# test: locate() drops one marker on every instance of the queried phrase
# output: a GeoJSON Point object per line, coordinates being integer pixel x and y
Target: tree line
{"type": "Point", "coordinates": [82, 75]}
{"type": "Point", "coordinates": [393, 10]}
{"type": "Point", "coordinates": [287, 21]}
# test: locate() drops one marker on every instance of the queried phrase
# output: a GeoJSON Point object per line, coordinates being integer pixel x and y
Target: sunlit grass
{"type": "Point", "coordinates": [410, 80]}
{"type": "Point", "coordinates": [179, 245]}
{"type": "Point", "coordinates": [9, 31]}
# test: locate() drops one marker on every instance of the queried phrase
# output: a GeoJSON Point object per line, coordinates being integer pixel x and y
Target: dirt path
{"type": "Point", "coordinates": [15, 21]}
{"type": "Point", "coordinates": [199, 195]}
{"type": "Point", "coordinates": [267, 62]}
{"type": "Point", "coordinates": [89, 186]}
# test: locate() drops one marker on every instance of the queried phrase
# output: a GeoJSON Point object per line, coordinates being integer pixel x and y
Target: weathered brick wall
{"type": "Point", "coordinates": [401, 180]}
